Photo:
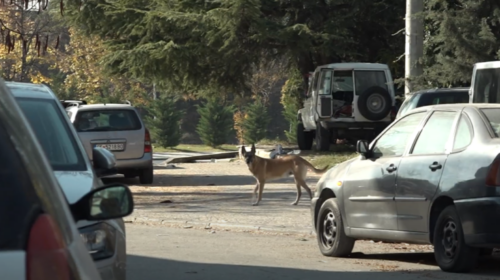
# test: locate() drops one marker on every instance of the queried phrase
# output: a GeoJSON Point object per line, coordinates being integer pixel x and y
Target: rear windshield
{"type": "Point", "coordinates": [107, 120]}
{"type": "Point", "coordinates": [493, 116]}
{"type": "Point", "coordinates": [53, 133]}
{"type": "Point", "coordinates": [486, 86]}
{"type": "Point", "coordinates": [443, 98]}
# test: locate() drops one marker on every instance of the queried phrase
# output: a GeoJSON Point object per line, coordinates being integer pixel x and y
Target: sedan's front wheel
{"type": "Point", "coordinates": [331, 237]}
{"type": "Point", "coordinates": [450, 250]}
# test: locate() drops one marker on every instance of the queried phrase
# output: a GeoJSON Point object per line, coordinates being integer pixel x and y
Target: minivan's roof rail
{"type": "Point", "coordinates": [127, 102]}
{"type": "Point", "coordinates": [68, 103]}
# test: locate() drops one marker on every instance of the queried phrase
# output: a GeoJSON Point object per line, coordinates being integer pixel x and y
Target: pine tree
{"type": "Point", "coordinates": [256, 122]}
{"type": "Point", "coordinates": [459, 34]}
{"type": "Point", "coordinates": [216, 122]}
{"type": "Point", "coordinates": [164, 121]}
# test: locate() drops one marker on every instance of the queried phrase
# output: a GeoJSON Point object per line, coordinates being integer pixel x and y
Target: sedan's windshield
{"type": "Point", "coordinates": [53, 133]}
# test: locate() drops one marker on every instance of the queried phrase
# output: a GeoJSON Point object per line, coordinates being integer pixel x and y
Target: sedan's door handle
{"type": "Point", "coordinates": [435, 166]}
{"type": "Point", "coordinates": [391, 168]}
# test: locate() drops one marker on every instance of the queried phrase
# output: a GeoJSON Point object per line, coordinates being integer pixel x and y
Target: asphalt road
{"type": "Point", "coordinates": [156, 252]}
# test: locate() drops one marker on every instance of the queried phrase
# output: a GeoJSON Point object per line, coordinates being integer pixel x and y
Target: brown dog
{"type": "Point", "coordinates": [264, 169]}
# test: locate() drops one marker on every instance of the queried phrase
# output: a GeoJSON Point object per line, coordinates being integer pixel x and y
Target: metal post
{"type": "Point", "coordinates": [414, 48]}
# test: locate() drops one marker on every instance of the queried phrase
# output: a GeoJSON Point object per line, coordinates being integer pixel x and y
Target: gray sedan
{"type": "Point", "coordinates": [431, 177]}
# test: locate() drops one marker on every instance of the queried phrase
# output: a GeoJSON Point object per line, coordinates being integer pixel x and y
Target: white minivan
{"type": "Point", "coordinates": [485, 84]}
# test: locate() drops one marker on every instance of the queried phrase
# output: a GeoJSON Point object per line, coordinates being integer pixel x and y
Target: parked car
{"type": "Point", "coordinates": [485, 86]}
{"type": "Point", "coordinates": [433, 97]}
{"type": "Point", "coordinates": [120, 129]}
{"type": "Point", "coordinates": [432, 177]}
{"type": "Point", "coordinates": [345, 101]}
{"type": "Point", "coordinates": [105, 240]}
{"type": "Point", "coordinates": [38, 237]}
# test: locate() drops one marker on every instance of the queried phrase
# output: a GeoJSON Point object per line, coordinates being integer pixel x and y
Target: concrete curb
{"type": "Point", "coordinates": [144, 220]}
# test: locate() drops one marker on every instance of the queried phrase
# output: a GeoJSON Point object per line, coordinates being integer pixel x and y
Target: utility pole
{"type": "Point", "coordinates": [414, 48]}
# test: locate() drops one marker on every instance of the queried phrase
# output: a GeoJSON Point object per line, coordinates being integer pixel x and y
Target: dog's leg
{"type": "Point", "coordinates": [261, 188]}
{"type": "Point", "coordinates": [254, 195]}
{"type": "Point", "coordinates": [299, 193]}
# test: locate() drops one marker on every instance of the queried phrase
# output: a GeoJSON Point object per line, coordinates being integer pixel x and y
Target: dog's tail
{"type": "Point", "coordinates": [314, 169]}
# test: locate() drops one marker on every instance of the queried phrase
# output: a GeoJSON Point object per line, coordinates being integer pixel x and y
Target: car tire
{"type": "Point", "coordinates": [450, 250]}
{"type": "Point", "coordinates": [330, 233]}
{"type": "Point", "coordinates": [322, 138]}
{"type": "Point", "coordinates": [304, 138]}
{"type": "Point", "coordinates": [146, 176]}
{"type": "Point", "coordinates": [375, 95]}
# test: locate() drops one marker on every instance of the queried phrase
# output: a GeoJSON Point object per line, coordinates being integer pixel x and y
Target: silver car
{"type": "Point", "coordinates": [118, 128]}
{"type": "Point", "coordinates": [105, 240]}
{"type": "Point", "coordinates": [38, 236]}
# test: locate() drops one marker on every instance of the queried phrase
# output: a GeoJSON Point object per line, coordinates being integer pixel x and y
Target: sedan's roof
{"type": "Point", "coordinates": [458, 106]}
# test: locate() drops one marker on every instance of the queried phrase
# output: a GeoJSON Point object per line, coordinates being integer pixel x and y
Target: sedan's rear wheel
{"type": "Point", "coordinates": [450, 250]}
{"type": "Point", "coordinates": [331, 237]}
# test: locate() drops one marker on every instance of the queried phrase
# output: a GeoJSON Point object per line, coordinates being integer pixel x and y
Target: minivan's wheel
{"type": "Point", "coordinates": [330, 233]}
{"type": "Point", "coordinates": [322, 138]}
{"type": "Point", "coordinates": [304, 138]}
{"type": "Point", "coordinates": [375, 103]}
{"type": "Point", "coordinates": [450, 250]}
{"type": "Point", "coordinates": [146, 176]}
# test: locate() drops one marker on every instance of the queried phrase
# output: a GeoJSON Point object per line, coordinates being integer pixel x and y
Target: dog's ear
{"type": "Point", "coordinates": [253, 149]}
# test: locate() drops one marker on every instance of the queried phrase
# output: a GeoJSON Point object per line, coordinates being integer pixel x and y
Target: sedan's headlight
{"type": "Point", "coordinates": [99, 240]}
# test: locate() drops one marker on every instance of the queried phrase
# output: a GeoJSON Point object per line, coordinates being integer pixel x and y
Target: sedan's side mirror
{"type": "Point", "coordinates": [362, 147]}
{"type": "Point", "coordinates": [104, 161]}
{"type": "Point", "coordinates": [109, 202]}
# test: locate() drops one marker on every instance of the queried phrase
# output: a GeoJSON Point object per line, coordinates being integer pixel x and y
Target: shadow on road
{"type": "Point", "coordinates": [166, 180]}
{"type": "Point", "coordinates": [139, 268]}
{"type": "Point", "coordinates": [488, 265]}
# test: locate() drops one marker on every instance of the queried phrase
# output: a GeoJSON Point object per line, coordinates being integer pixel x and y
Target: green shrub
{"type": "Point", "coordinates": [216, 122]}
{"type": "Point", "coordinates": [255, 123]}
{"type": "Point", "coordinates": [164, 121]}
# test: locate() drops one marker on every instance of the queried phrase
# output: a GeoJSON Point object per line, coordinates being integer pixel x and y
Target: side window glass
{"type": "Point", "coordinates": [326, 82]}
{"type": "Point", "coordinates": [464, 133]}
{"type": "Point", "coordinates": [394, 140]}
{"type": "Point", "coordinates": [435, 134]}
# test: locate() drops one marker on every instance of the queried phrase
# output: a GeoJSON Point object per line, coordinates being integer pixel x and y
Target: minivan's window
{"type": "Point", "coordinates": [486, 87]}
{"type": "Point", "coordinates": [107, 120]}
{"type": "Point", "coordinates": [53, 133]}
{"type": "Point", "coordinates": [493, 116]}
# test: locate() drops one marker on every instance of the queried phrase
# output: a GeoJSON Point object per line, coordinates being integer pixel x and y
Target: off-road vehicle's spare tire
{"type": "Point", "coordinates": [375, 103]}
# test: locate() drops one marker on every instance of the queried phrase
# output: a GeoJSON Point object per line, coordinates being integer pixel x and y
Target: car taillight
{"type": "Point", "coordinates": [147, 142]}
{"type": "Point", "coordinates": [493, 176]}
{"type": "Point", "coordinates": [46, 253]}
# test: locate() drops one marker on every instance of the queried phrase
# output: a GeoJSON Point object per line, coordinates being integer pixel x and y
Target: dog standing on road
{"type": "Point", "coordinates": [264, 169]}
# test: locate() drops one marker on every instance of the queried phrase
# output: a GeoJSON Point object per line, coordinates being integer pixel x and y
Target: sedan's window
{"type": "Point", "coordinates": [437, 98]}
{"type": "Point", "coordinates": [464, 133]}
{"type": "Point", "coordinates": [53, 133]}
{"type": "Point", "coordinates": [394, 140]}
{"type": "Point", "coordinates": [493, 116]}
{"type": "Point", "coordinates": [435, 134]}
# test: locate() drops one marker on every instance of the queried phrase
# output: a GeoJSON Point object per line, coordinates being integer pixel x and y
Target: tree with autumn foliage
{"type": "Point", "coordinates": [28, 38]}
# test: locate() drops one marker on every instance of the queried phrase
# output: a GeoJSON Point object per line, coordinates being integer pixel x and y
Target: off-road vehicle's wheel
{"type": "Point", "coordinates": [330, 233]}
{"type": "Point", "coordinates": [450, 250]}
{"type": "Point", "coordinates": [322, 138]}
{"type": "Point", "coordinates": [146, 176]}
{"type": "Point", "coordinates": [304, 138]}
{"type": "Point", "coordinates": [375, 103]}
